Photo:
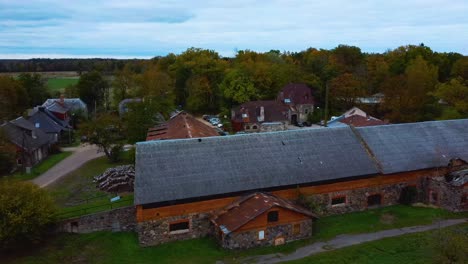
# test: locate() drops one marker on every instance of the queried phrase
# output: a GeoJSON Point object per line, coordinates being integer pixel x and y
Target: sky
{"type": "Point", "coordinates": [148, 28]}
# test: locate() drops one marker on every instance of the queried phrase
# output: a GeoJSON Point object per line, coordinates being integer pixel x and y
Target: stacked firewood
{"type": "Point", "coordinates": [116, 180]}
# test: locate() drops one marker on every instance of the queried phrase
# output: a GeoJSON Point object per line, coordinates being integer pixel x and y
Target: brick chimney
{"type": "Point", "coordinates": [261, 116]}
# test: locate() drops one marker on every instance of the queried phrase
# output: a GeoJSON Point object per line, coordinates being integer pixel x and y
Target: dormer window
{"type": "Point", "coordinates": [287, 100]}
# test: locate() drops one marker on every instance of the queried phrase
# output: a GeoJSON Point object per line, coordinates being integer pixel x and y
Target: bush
{"type": "Point", "coordinates": [26, 213]}
{"type": "Point", "coordinates": [115, 153]}
{"type": "Point", "coordinates": [408, 195]}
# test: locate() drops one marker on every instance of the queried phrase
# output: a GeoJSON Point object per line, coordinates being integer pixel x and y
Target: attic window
{"type": "Point", "coordinates": [179, 227]}
{"type": "Point", "coordinates": [287, 100]}
{"type": "Point", "coordinates": [273, 216]}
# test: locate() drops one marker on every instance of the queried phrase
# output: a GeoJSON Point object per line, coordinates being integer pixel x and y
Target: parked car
{"type": "Point", "coordinates": [215, 121]}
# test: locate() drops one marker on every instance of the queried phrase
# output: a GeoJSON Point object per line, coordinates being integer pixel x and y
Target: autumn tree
{"type": "Point", "coordinates": [123, 85]}
{"type": "Point", "coordinates": [107, 132]}
{"type": "Point", "coordinates": [26, 211]}
{"type": "Point", "coordinates": [7, 154]}
{"type": "Point", "coordinates": [238, 87]}
{"type": "Point", "coordinates": [460, 68]}
{"type": "Point", "coordinates": [345, 90]}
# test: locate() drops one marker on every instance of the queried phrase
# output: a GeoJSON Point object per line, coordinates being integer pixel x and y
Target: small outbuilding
{"type": "Point", "coordinates": [261, 219]}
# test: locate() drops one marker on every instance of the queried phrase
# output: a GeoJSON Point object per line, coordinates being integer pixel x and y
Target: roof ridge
{"type": "Point", "coordinates": [367, 148]}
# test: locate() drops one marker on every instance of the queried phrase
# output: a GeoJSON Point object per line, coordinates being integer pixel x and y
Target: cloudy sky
{"type": "Point", "coordinates": [141, 28]}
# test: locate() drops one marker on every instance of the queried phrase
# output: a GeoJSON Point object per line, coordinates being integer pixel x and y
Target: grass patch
{"type": "Point", "coordinates": [42, 167]}
{"type": "Point", "coordinates": [59, 84]}
{"type": "Point", "coordinates": [108, 247]}
{"type": "Point", "coordinates": [410, 248]}
{"type": "Point", "coordinates": [76, 193]}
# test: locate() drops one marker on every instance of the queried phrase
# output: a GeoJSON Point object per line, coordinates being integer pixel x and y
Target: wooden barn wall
{"type": "Point", "coordinates": [291, 194]}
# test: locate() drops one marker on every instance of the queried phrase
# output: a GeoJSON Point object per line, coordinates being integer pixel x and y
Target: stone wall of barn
{"type": "Point", "coordinates": [273, 235]}
{"type": "Point", "coordinates": [447, 196]}
{"type": "Point", "coordinates": [355, 199]}
{"type": "Point", "coordinates": [273, 126]}
{"type": "Point", "coordinates": [155, 232]}
{"type": "Point", "coordinates": [120, 219]}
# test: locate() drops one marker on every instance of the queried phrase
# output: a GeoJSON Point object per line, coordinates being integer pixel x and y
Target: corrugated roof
{"type": "Point", "coordinates": [178, 169]}
{"type": "Point", "coordinates": [182, 125]}
{"type": "Point", "coordinates": [247, 208]}
{"type": "Point", "coordinates": [416, 146]}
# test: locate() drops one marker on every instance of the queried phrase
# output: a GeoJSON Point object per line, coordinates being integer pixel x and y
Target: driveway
{"type": "Point", "coordinates": [80, 156]}
{"type": "Point", "coordinates": [348, 240]}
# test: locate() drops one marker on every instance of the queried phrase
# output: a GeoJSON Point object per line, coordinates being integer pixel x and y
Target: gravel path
{"type": "Point", "coordinates": [80, 156]}
{"type": "Point", "coordinates": [348, 240]}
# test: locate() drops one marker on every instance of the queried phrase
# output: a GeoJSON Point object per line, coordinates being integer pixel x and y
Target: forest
{"type": "Point", "coordinates": [418, 83]}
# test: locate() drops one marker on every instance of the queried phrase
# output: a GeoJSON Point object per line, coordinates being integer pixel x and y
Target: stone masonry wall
{"type": "Point", "coordinates": [156, 232]}
{"type": "Point", "coordinates": [356, 200]}
{"type": "Point", "coordinates": [121, 219]}
{"type": "Point", "coordinates": [249, 239]}
{"type": "Point", "coordinates": [448, 197]}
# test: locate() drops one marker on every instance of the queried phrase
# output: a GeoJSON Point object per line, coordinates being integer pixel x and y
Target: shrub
{"type": "Point", "coordinates": [26, 213]}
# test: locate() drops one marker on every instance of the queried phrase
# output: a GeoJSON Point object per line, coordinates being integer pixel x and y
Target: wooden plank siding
{"type": "Point", "coordinates": [290, 194]}
{"type": "Point", "coordinates": [285, 216]}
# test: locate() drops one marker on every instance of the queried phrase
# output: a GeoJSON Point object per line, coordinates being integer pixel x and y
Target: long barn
{"type": "Point", "coordinates": [182, 185]}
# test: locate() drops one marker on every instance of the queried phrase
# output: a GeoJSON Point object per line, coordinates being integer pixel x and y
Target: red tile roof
{"type": "Point", "coordinates": [250, 111]}
{"type": "Point", "coordinates": [182, 125]}
{"type": "Point", "coordinates": [248, 208]}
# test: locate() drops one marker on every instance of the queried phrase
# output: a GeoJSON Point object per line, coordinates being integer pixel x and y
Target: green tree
{"type": "Point", "coordinates": [13, 98]}
{"type": "Point", "coordinates": [107, 132]}
{"type": "Point", "coordinates": [123, 85]}
{"type": "Point", "coordinates": [93, 89]}
{"type": "Point", "coordinates": [26, 212]}
{"type": "Point", "coordinates": [344, 91]}
{"type": "Point", "coordinates": [454, 93]}
{"type": "Point", "coordinates": [7, 154]}
{"type": "Point", "coordinates": [238, 87]}
{"type": "Point", "coordinates": [35, 88]}
{"type": "Point", "coordinates": [460, 68]}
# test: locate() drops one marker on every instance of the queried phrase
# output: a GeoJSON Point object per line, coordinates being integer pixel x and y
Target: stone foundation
{"type": "Point", "coordinates": [274, 235]}
{"type": "Point", "coordinates": [156, 232]}
{"type": "Point", "coordinates": [121, 219]}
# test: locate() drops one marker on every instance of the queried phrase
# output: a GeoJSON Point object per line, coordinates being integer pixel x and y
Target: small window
{"type": "Point", "coordinates": [306, 111]}
{"type": "Point", "coordinates": [19, 162]}
{"type": "Point", "coordinates": [434, 197]}
{"type": "Point", "coordinates": [261, 235]}
{"type": "Point", "coordinates": [464, 199]}
{"type": "Point", "coordinates": [247, 127]}
{"type": "Point", "coordinates": [374, 200]}
{"type": "Point", "coordinates": [273, 216]}
{"type": "Point", "coordinates": [340, 200]}
{"type": "Point", "coordinates": [296, 229]}
{"type": "Point", "coordinates": [254, 127]}
{"type": "Point", "coordinates": [179, 226]}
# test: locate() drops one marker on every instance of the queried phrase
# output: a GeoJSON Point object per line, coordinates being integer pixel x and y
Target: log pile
{"type": "Point", "coordinates": [116, 180]}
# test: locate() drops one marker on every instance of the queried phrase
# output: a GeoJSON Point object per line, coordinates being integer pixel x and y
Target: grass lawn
{"type": "Point", "coordinates": [76, 192]}
{"type": "Point", "coordinates": [58, 84]}
{"type": "Point", "coordinates": [107, 247]}
{"type": "Point", "coordinates": [411, 248]}
{"type": "Point", "coordinates": [42, 167]}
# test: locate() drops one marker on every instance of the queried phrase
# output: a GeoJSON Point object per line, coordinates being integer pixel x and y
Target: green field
{"type": "Point", "coordinates": [58, 84]}
{"type": "Point", "coordinates": [107, 247]}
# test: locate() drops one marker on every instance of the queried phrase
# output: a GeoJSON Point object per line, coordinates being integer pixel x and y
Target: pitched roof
{"type": "Point", "coordinates": [178, 169]}
{"type": "Point", "coordinates": [43, 121]}
{"type": "Point", "coordinates": [182, 125]}
{"type": "Point", "coordinates": [416, 146]}
{"type": "Point", "coordinates": [250, 112]}
{"type": "Point", "coordinates": [296, 93]}
{"type": "Point", "coordinates": [361, 121]}
{"type": "Point", "coordinates": [20, 132]}
{"type": "Point", "coordinates": [250, 207]}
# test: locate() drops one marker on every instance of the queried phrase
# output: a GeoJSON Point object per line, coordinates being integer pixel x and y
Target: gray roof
{"type": "Point", "coordinates": [72, 104]}
{"type": "Point", "coordinates": [20, 131]}
{"type": "Point", "coordinates": [416, 146]}
{"type": "Point", "coordinates": [178, 169]}
{"type": "Point", "coordinates": [43, 121]}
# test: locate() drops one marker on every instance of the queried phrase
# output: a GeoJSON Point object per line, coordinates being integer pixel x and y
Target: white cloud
{"type": "Point", "coordinates": [149, 28]}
